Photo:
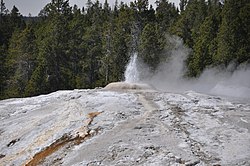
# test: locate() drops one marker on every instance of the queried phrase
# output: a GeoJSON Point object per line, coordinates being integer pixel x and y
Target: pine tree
{"type": "Point", "coordinates": [150, 46]}
{"type": "Point", "coordinates": [190, 20]}
{"type": "Point", "coordinates": [21, 61]}
{"type": "Point", "coordinates": [94, 50]}
{"type": "Point", "coordinates": [2, 9]}
{"type": "Point", "coordinates": [16, 19]}
{"type": "Point", "coordinates": [166, 14]}
{"type": "Point", "coordinates": [205, 45]}
{"type": "Point", "coordinates": [121, 43]}
{"type": "Point", "coordinates": [77, 49]}
{"type": "Point", "coordinates": [203, 55]}
{"type": "Point", "coordinates": [54, 57]}
{"type": "Point", "coordinates": [3, 55]}
{"type": "Point", "coordinates": [233, 37]}
{"type": "Point", "coordinates": [38, 84]}
{"type": "Point", "coordinates": [3, 49]}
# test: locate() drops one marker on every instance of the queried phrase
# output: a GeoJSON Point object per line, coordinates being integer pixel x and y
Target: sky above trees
{"type": "Point", "coordinates": [34, 7]}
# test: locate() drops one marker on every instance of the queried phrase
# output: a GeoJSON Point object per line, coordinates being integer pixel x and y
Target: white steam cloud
{"type": "Point", "coordinates": [215, 81]}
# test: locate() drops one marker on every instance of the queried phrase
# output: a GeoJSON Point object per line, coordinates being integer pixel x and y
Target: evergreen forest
{"type": "Point", "coordinates": [67, 47]}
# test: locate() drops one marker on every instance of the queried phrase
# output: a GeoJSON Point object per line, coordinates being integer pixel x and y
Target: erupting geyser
{"type": "Point", "coordinates": [131, 73]}
{"type": "Point", "coordinates": [131, 77]}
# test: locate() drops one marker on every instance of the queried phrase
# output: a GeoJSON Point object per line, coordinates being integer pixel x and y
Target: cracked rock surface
{"type": "Point", "coordinates": [124, 127]}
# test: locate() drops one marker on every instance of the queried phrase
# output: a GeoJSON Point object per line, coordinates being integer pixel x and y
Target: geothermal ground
{"type": "Point", "coordinates": [125, 125]}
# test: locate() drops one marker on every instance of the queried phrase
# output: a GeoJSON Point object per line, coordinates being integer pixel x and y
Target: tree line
{"type": "Point", "coordinates": [67, 47]}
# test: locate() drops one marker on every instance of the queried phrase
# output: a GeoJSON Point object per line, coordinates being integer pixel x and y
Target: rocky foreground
{"type": "Point", "coordinates": [121, 126]}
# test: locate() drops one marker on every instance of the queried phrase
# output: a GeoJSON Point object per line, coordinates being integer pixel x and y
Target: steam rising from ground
{"type": "Point", "coordinates": [169, 76]}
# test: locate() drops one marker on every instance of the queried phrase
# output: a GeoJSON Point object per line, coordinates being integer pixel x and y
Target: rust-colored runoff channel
{"type": "Point", "coordinates": [61, 142]}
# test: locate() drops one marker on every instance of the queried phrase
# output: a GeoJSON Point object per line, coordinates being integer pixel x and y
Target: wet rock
{"type": "Point", "coordinates": [178, 159]}
{"type": "Point", "coordinates": [2, 156]}
{"type": "Point", "coordinates": [216, 164]}
{"type": "Point", "coordinates": [138, 127]}
{"type": "Point", "coordinates": [121, 116]}
{"type": "Point", "coordinates": [11, 143]}
{"type": "Point", "coordinates": [145, 126]}
{"type": "Point", "coordinates": [75, 97]}
{"type": "Point", "coordinates": [163, 117]}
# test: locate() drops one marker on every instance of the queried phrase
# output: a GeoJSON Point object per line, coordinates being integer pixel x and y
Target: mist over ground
{"type": "Point", "coordinates": [169, 75]}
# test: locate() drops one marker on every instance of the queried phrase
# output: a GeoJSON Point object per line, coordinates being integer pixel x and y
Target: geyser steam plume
{"type": "Point", "coordinates": [169, 75]}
